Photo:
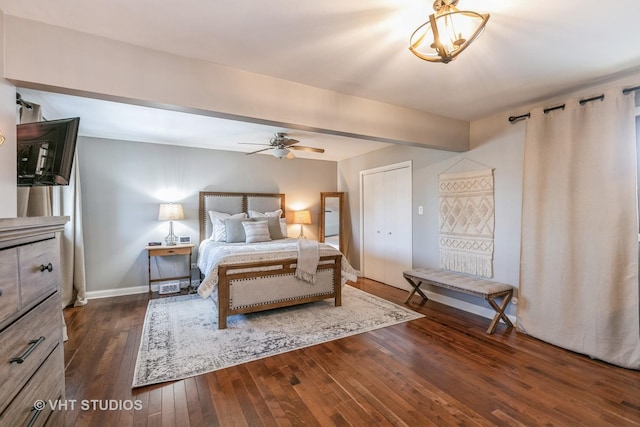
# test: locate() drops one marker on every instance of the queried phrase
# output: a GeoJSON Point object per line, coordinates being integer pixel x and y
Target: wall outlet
{"type": "Point", "coordinates": [194, 265]}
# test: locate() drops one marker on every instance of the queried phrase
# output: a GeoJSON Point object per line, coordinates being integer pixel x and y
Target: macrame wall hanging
{"type": "Point", "coordinates": [467, 219]}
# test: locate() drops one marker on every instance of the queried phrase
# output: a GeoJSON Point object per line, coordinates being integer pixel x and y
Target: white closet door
{"type": "Point", "coordinates": [374, 261]}
{"type": "Point", "coordinates": [398, 226]}
{"type": "Point", "coordinates": [387, 225]}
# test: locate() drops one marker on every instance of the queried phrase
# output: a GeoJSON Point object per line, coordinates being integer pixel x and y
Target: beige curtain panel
{"type": "Point", "coordinates": [579, 259]}
{"type": "Point", "coordinates": [66, 202]}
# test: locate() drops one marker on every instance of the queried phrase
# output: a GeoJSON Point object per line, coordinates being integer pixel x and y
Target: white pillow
{"type": "Point", "coordinates": [256, 231]}
{"type": "Point", "coordinates": [219, 232]}
{"type": "Point", "coordinates": [283, 226]}
{"type": "Point", "coordinates": [256, 214]}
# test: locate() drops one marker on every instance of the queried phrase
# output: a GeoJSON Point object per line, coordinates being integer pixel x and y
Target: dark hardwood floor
{"type": "Point", "coordinates": [439, 370]}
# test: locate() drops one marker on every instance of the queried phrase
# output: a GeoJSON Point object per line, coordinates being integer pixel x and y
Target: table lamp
{"type": "Point", "coordinates": [302, 217]}
{"type": "Point", "coordinates": [170, 212]}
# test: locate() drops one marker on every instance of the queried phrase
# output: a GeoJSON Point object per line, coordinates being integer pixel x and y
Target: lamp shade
{"type": "Point", "coordinates": [170, 212]}
{"type": "Point", "coordinates": [302, 217]}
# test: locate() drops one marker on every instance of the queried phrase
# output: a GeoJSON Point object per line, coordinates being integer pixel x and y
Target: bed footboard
{"type": "Point", "coordinates": [257, 286]}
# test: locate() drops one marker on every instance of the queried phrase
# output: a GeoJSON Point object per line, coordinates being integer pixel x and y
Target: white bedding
{"type": "Point", "coordinates": [211, 254]}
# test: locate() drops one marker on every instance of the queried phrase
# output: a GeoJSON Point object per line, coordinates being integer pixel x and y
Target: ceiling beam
{"type": "Point", "coordinates": [43, 56]}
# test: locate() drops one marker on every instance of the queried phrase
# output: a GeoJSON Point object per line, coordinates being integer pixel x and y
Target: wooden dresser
{"type": "Point", "coordinates": [32, 369]}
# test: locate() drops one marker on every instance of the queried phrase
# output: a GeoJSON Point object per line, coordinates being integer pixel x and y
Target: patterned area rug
{"type": "Point", "coordinates": [180, 339]}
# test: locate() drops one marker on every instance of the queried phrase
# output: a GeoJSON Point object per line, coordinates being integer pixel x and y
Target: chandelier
{"type": "Point", "coordinates": [447, 33]}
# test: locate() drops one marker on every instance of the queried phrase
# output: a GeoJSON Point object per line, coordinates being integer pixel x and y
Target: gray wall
{"type": "Point", "coordinates": [495, 144]}
{"type": "Point", "coordinates": [123, 183]}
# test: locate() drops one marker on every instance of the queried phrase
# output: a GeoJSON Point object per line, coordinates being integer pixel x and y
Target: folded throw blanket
{"type": "Point", "coordinates": [308, 257]}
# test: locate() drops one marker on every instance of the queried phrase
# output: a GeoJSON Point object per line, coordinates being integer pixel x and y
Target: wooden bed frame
{"type": "Point", "coordinates": [247, 273]}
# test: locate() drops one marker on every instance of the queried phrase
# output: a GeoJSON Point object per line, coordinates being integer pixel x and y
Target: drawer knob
{"type": "Point", "coordinates": [47, 267]}
{"type": "Point", "coordinates": [32, 346]}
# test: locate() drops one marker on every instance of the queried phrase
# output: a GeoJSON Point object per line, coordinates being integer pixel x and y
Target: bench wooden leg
{"type": "Point", "coordinates": [500, 314]}
{"type": "Point", "coordinates": [416, 288]}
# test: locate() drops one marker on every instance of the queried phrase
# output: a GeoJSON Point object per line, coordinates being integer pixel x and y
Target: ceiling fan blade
{"type": "Point", "coordinates": [259, 151]}
{"type": "Point", "coordinates": [312, 149]}
{"type": "Point", "coordinates": [288, 141]}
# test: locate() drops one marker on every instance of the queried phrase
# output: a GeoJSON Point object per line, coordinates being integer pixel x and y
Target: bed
{"type": "Point", "coordinates": [244, 273]}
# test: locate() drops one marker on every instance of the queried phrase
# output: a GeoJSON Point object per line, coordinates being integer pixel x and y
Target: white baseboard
{"type": "Point", "coordinates": [120, 292]}
{"type": "Point", "coordinates": [463, 305]}
{"type": "Point", "coordinates": [132, 290]}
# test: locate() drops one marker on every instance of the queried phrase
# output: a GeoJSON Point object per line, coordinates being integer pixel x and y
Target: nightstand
{"type": "Point", "coordinates": [184, 249]}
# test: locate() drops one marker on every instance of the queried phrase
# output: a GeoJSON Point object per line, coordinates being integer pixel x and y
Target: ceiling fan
{"type": "Point", "coordinates": [282, 146]}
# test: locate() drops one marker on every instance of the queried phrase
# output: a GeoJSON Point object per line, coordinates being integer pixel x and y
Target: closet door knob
{"type": "Point", "coordinates": [47, 267]}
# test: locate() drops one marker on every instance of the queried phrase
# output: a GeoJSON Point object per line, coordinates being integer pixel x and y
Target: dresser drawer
{"type": "Point", "coordinates": [46, 385]}
{"type": "Point", "coordinates": [9, 299]}
{"type": "Point", "coordinates": [170, 251]}
{"type": "Point", "coordinates": [39, 270]}
{"type": "Point", "coordinates": [43, 323]}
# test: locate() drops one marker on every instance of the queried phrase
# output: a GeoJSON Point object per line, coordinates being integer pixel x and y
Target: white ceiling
{"type": "Point", "coordinates": [531, 50]}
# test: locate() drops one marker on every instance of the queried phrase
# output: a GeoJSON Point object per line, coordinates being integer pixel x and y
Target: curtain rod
{"type": "Point", "coordinates": [626, 91]}
{"type": "Point", "coordinates": [21, 102]}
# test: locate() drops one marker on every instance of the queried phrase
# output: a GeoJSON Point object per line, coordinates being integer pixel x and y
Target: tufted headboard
{"type": "Point", "coordinates": [233, 203]}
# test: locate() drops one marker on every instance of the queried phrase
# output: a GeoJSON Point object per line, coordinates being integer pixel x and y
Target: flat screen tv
{"type": "Point", "coordinates": [45, 151]}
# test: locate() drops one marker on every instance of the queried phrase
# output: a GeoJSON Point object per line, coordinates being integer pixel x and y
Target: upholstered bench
{"type": "Point", "coordinates": [471, 285]}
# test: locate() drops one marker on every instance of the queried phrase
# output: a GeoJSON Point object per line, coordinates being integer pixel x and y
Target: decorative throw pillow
{"type": "Point", "coordinates": [256, 214]}
{"type": "Point", "coordinates": [283, 227]}
{"type": "Point", "coordinates": [282, 234]}
{"type": "Point", "coordinates": [275, 231]}
{"type": "Point", "coordinates": [234, 230]}
{"type": "Point", "coordinates": [256, 231]}
{"type": "Point", "coordinates": [219, 233]}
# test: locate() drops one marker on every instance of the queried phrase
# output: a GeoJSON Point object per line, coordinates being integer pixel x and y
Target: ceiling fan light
{"type": "Point", "coordinates": [447, 33]}
{"type": "Point", "coordinates": [280, 152]}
